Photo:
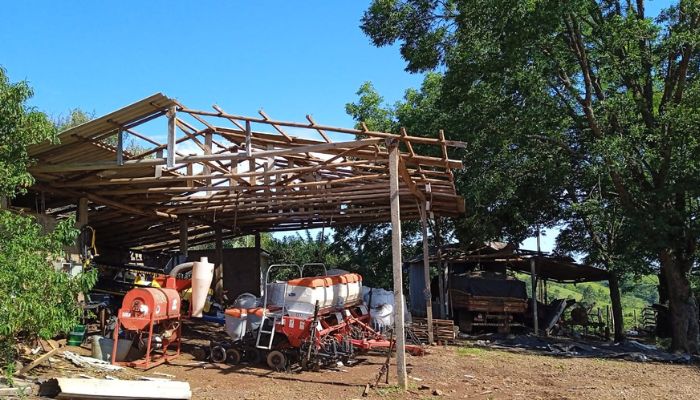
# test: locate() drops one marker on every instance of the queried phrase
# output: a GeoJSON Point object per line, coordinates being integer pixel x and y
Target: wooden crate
{"type": "Point", "coordinates": [443, 330]}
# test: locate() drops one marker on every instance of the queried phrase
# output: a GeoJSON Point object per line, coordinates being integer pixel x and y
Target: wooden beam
{"type": "Point", "coordinates": [82, 212]}
{"type": "Point", "coordinates": [277, 128]}
{"type": "Point", "coordinates": [120, 147]}
{"type": "Point", "coordinates": [383, 135]}
{"type": "Point", "coordinates": [183, 235]}
{"type": "Point", "coordinates": [318, 148]}
{"type": "Point", "coordinates": [397, 264]}
{"type": "Point", "coordinates": [533, 280]}
{"type": "Point", "coordinates": [426, 271]}
{"type": "Point", "coordinates": [172, 123]}
{"type": "Point", "coordinates": [219, 267]}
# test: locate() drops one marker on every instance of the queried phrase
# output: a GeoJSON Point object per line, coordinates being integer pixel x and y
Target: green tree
{"type": "Point", "coordinates": [35, 298]}
{"type": "Point", "coordinates": [20, 126]}
{"type": "Point", "coordinates": [549, 94]}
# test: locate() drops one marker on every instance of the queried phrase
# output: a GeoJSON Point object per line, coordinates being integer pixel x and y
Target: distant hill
{"type": "Point", "coordinates": [636, 294]}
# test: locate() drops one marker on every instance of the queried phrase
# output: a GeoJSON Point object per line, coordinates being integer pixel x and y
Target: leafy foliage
{"type": "Point", "coordinates": [20, 126]}
{"type": "Point", "coordinates": [582, 111]}
{"type": "Point", "coordinates": [35, 298]}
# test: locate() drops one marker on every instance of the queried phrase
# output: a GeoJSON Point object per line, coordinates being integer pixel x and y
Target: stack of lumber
{"type": "Point", "coordinates": [443, 329]}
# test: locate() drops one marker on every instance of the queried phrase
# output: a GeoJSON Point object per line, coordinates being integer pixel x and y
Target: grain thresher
{"type": "Point", "coordinates": [150, 316]}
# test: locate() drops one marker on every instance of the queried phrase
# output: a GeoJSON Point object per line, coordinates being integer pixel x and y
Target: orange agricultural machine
{"type": "Point", "coordinates": [151, 317]}
{"type": "Point", "coordinates": [314, 321]}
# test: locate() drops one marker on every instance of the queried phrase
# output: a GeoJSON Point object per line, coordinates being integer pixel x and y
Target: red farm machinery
{"type": "Point", "coordinates": [311, 321]}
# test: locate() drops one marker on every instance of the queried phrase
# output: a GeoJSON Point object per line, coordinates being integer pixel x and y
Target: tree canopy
{"type": "Point", "coordinates": [581, 111]}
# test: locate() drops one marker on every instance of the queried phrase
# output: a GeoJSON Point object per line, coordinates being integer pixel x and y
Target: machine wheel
{"type": "Point", "coordinates": [233, 356]}
{"type": "Point", "coordinates": [218, 354]}
{"type": "Point", "coordinates": [277, 360]}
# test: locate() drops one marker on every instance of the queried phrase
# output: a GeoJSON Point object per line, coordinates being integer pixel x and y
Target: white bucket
{"type": "Point", "coordinates": [202, 275]}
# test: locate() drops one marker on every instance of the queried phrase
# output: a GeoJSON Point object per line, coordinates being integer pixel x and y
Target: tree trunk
{"type": "Point", "coordinates": [616, 301]}
{"type": "Point", "coordinates": [663, 288]}
{"type": "Point", "coordinates": [682, 306]}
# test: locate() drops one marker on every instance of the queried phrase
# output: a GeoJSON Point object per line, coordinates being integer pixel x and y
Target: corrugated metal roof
{"type": "Point", "coordinates": [152, 105]}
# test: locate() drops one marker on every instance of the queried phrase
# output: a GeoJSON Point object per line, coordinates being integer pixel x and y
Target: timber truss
{"type": "Point", "coordinates": [215, 171]}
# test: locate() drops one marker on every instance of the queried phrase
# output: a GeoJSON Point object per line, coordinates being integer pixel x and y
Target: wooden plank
{"type": "Point", "coordinates": [37, 362]}
{"type": "Point", "coordinates": [183, 235]}
{"type": "Point", "coordinates": [383, 135]}
{"type": "Point", "coordinates": [397, 264]}
{"type": "Point", "coordinates": [172, 119]}
{"type": "Point", "coordinates": [318, 148]}
{"type": "Point", "coordinates": [73, 388]}
{"type": "Point", "coordinates": [426, 272]}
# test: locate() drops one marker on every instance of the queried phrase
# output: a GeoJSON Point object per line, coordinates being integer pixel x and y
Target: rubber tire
{"type": "Point", "coordinates": [276, 360]}
{"type": "Point", "coordinates": [218, 354]}
{"type": "Point", "coordinates": [233, 356]}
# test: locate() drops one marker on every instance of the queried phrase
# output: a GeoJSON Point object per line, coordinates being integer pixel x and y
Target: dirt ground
{"type": "Point", "coordinates": [451, 371]}
{"type": "Point", "coordinates": [455, 371]}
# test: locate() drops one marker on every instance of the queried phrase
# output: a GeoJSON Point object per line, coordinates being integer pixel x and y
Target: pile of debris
{"type": "Point", "coordinates": [556, 346]}
{"type": "Point", "coordinates": [65, 374]}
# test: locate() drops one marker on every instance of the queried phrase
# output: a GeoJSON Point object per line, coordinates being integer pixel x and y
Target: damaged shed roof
{"type": "Point", "coordinates": [233, 173]}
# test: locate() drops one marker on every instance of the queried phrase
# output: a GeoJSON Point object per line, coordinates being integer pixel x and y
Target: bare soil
{"type": "Point", "coordinates": [456, 371]}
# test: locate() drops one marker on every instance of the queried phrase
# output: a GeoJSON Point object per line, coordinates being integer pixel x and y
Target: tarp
{"type": "Point", "coordinates": [482, 285]}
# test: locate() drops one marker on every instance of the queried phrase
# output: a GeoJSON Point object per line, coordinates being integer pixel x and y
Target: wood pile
{"type": "Point", "coordinates": [444, 330]}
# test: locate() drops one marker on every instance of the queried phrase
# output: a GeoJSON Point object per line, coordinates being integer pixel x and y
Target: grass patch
{"type": "Point", "coordinates": [471, 351]}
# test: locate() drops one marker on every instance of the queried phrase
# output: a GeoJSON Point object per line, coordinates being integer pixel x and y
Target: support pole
{"type": "Point", "coordinates": [426, 272]}
{"type": "Point", "coordinates": [172, 119]}
{"type": "Point", "coordinates": [219, 267]}
{"type": "Point", "coordinates": [120, 147]}
{"type": "Point", "coordinates": [248, 134]}
{"type": "Point", "coordinates": [183, 236]}
{"type": "Point", "coordinates": [396, 262]}
{"type": "Point", "coordinates": [82, 212]}
{"type": "Point", "coordinates": [533, 275]}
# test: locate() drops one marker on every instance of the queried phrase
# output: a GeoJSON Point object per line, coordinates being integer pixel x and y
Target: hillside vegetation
{"type": "Point", "coordinates": [636, 294]}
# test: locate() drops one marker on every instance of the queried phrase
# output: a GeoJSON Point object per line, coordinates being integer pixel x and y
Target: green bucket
{"type": "Point", "coordinates": [76, 336]}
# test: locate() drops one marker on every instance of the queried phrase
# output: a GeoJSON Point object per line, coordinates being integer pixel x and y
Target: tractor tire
{"type": "Point", "coordinates": [233, 356]}
{"type": "Point", "coordinates": [218, 354]}
{"type": "Point", "coordinates": [277, 360]}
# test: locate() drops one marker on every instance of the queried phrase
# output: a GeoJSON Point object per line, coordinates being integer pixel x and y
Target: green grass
{"type": "Point", "coordinates": [471, 351]}
{"type": "Point", "coordinates": [636, 295]}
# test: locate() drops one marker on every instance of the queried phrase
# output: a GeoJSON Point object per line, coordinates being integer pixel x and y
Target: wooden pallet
{"type": "Point", "coordinates": [443, 330]}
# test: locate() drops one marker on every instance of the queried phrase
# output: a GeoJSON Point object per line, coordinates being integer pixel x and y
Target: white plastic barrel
{"type": "Point", "coordinates": [202, 275]}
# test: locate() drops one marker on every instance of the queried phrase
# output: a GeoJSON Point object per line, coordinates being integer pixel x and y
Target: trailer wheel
{"type": "Point", "coordinates": [233, 356]}
{"type": "Point", "coordinates": [277, 360]}
{"type": "Point", "coordinates": [218, 354]}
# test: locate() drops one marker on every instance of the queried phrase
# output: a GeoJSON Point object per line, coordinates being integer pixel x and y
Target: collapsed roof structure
{"type": "Point", "coordinates": [207, 171]}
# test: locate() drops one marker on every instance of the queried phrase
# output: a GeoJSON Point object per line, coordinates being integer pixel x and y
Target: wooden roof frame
{"type": "Point", "coordinates": [243, 180]}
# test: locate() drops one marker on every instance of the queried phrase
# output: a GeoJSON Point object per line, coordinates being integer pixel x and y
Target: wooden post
{"type": "Point", "coordinates": [396, 262]}
{"type": "Point", "coordinates": [183, 235]}
{"type": "Point", "coordinates": [159, 168]}
{"type": "Point", "coordinates": [3, 202]}
{"type": "Point", "coordinates": [219, 267]}
{"type": "Point", "coordinates": [533, 276]}
{"type": "Point", "coordinates": [120, 147]}
{"type": "Point", "coordinates": [248, 134]}
{"type": "Point", "coordinates": [441, 277]}
{"type": "Point", "coordinates": [172, 118]}
{"type": "Point", "coordinates": [426, 272]}
{"type": "Point", "coordinates": [82, 212]}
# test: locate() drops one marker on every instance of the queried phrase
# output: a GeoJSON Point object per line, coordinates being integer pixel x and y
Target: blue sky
{"type": "Point", "coordinates": [290, 58]}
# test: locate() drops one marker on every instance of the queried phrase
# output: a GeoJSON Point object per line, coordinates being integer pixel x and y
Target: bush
{"type": "Point", "coordinates": [36, 300]}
